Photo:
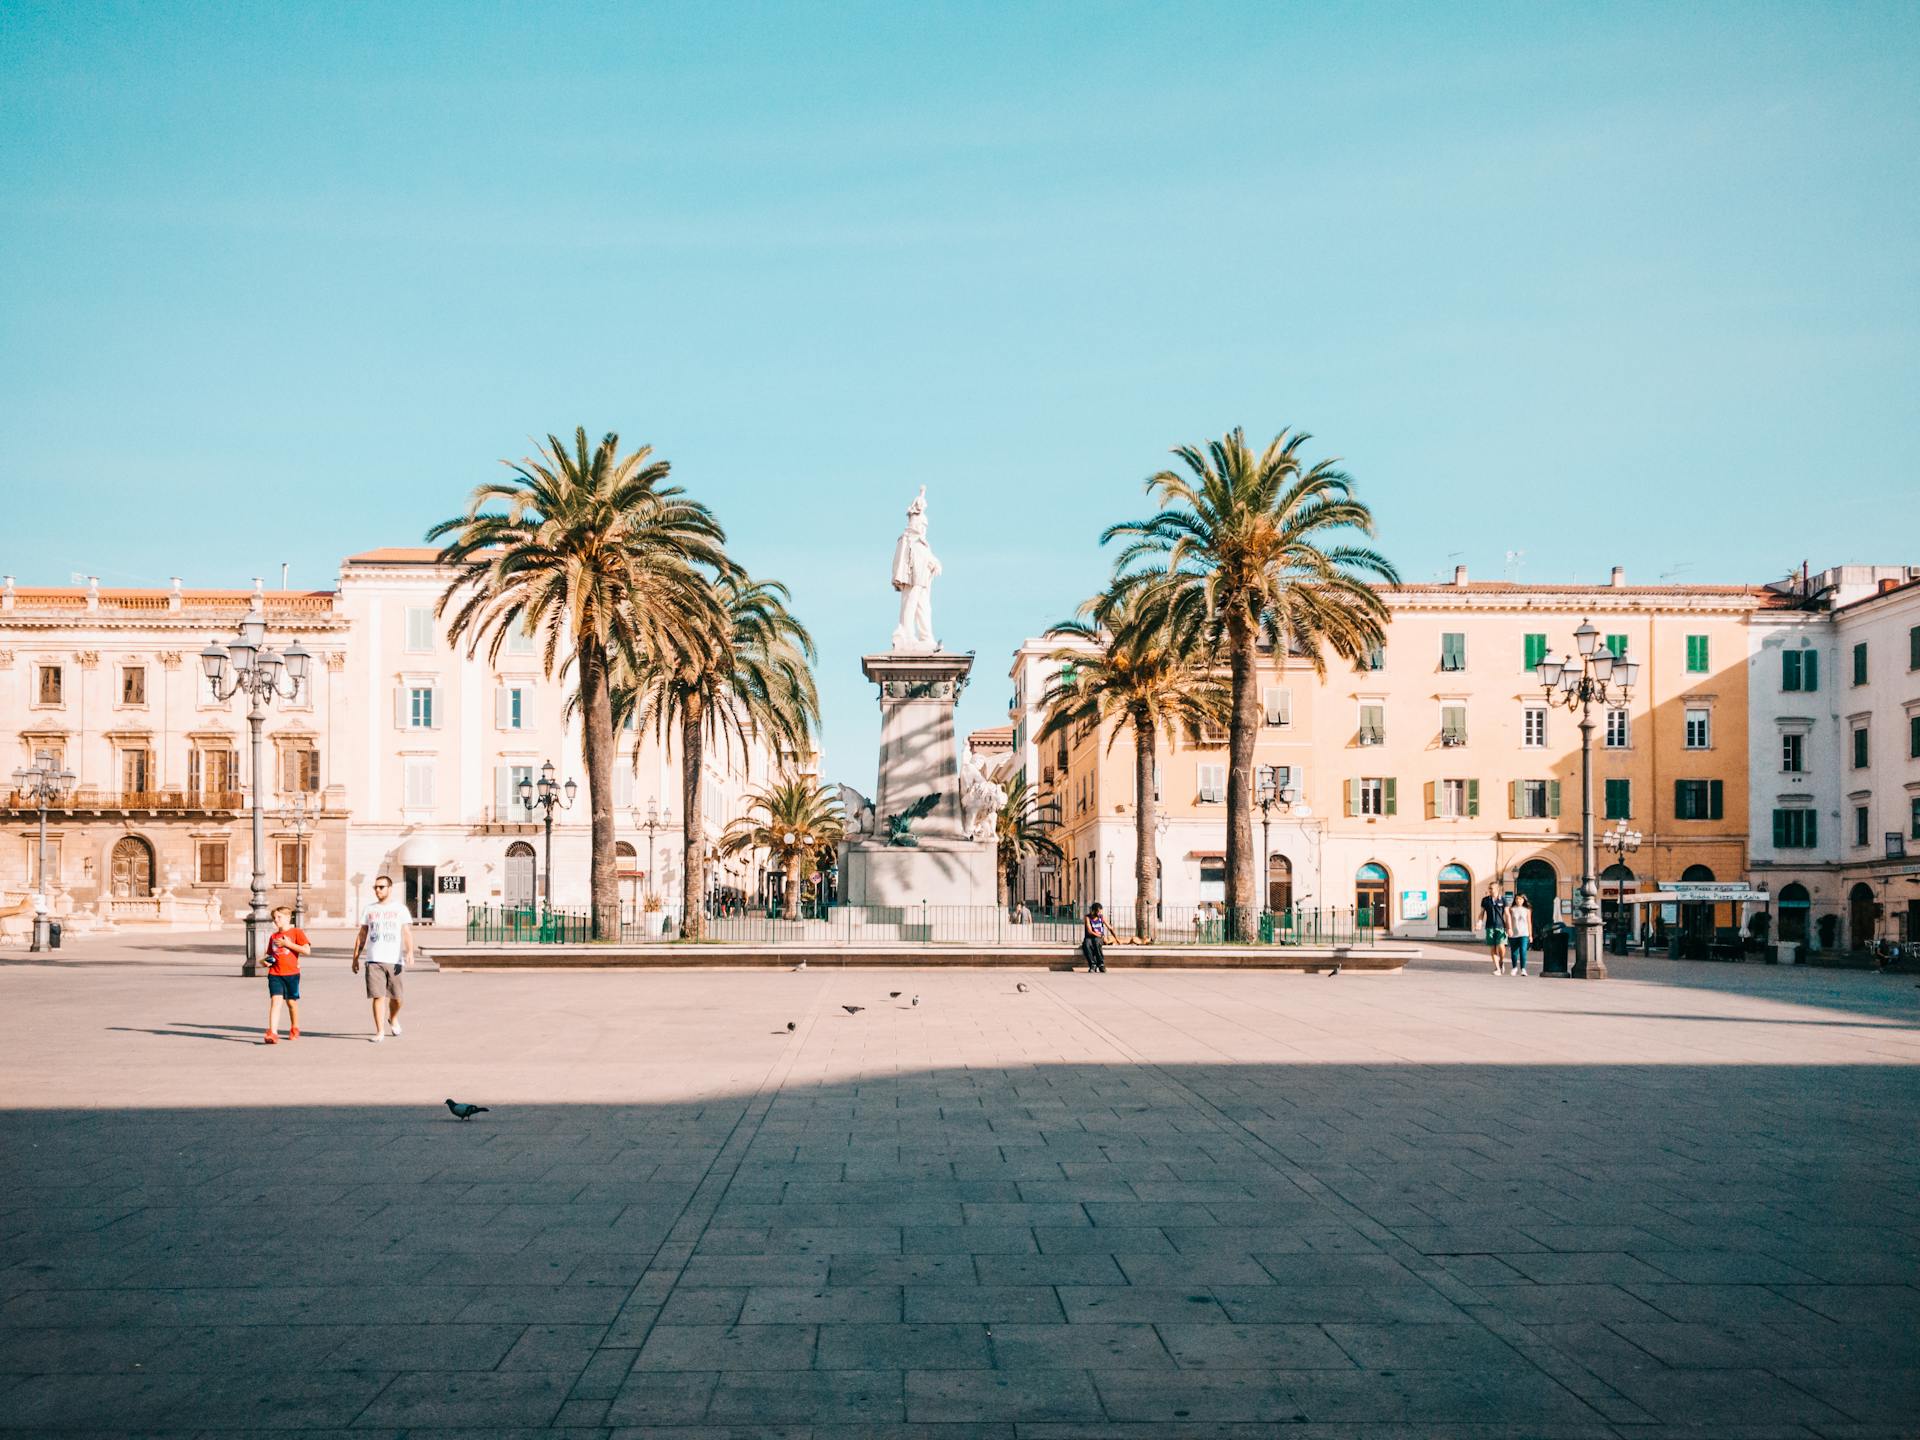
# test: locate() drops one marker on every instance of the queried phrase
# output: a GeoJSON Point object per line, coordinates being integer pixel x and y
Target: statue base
{"type": "Point", "coordinates": [935, 873]}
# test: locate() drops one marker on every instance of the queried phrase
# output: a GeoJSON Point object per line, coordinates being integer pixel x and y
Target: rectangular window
{"type": "Point", "coordinates": [1860, 747]}
{"type": "Point", "coordinates": [419, 629]}
{"type": "Point", "coordinates": [212, 774]}
{"type": "Point", "coordinates": [299, 770]}
{"type": "Point", "coordinates": [33, 862]}
{"type": "Point", "coordinates": [1618, 645]}
{"type": "Point", "coordinates": [510, 708]}
{"type": "Point", "coordinates": [49, 686]}
{"type": "Point", "coordinates": [1213, 784]}
{"type": "Point", "coordinates": [1375, 658]}
{"type": "Point", "coordinates": [293, 862]}
{"type": "Point", "coordinates": [1913, 737]}
{"type": "Point", "coordinates": [1617, 733]}
{"type": "Point", "coordinates": [419, 787]}
{"type": "Point", "coordinates": [1860, 663]}
{"type": "Point", "coordinates": [1794, 829]}
{"type": "Point", "coordinates": [1799, 669]}
{"type": "Point", "coordinates": [1451, 799]}
{"type": "Point", "coordinates": [1696, 654]}
{"type": "Point", "coordinates": [420, 707]}
{"type": "Point", "coordinates": [1453, 724]}
{"type": "Point", "coordinates": [1533, 728]}
{"type": "Point", "coordinates": [1860, 825]}
{"type": "Point", "coordinates": [136, 771]}
{"type": "Point", "coordinates": [1913, 827]}
{"type": "Point", "coordinates": [1279, 705]}
{"type": "Point", "coordinates": [1793, 753]}
{"type": "Point", "coordinates": [1373, 796]}
{"type": "Point", "coordinates": [1699, 729]}
{"type": "Point", "coordinates": [1698, 799]}
{"type": "Point", "coordinates": [1533, 799]}
{"type": "Point", "coordinates": [213, 862]}
{"type": "Point", "coordinates": [1373, 724]}
{"type": "Point", "coordinates": [1913, 647]}
{"type": "Point", "coordinates": [519, 640]}
{"type": "Point", "coordinates": [133, 685]}
{"type": "Point", "coordinates": [1619, 800]}
{"type": "Point", "coordinates": [1453, 651]}
{"type": "Point", "coordinates": [1533, 650]}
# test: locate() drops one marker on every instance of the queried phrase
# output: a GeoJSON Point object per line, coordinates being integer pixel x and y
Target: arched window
{"type": "Point", "coordinates": [1279, 883]}
{"type": "Point", "coordinates": [1456, 898]}
{"type": "Point", "coordinates": [1371, 887]}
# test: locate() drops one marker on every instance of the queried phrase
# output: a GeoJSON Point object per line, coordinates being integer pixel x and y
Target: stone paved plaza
{"type": "Point", "coordinates": [1685, 1201]}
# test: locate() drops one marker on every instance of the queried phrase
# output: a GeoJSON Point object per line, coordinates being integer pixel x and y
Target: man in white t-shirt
{"type": "Point", "coordinates": [386, 937]}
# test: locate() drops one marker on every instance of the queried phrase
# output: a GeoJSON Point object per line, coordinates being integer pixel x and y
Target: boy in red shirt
{"type": "Point", "coordinates": [284, 948]}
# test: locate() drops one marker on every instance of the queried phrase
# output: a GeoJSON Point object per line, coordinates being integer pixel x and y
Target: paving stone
{"type": "Point", "coordinates": [990, 1304]}
{"type": "Point", "coordinates": [966, 1396]}
{"type": "Point", "coordinates": [826, 1396]}
{"type": "Point", "coordinates": [904, 1347]}
{"type": "Point", "coordinates": [1253, 1347]}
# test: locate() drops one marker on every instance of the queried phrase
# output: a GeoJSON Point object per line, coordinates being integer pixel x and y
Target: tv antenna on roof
{"type": "Point", "coordinates": [1684, 565]}
{"type": "Point", "coordinates": [1515, 560]}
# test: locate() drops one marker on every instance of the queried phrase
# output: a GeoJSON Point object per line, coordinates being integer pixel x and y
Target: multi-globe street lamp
{"type": "Point", "coordinates": [656, 821]}
{"type": "Point", "coordinates": [1594, 675]}
{"type": "Point", "coordinates": [549, 795]}
{"type": "Point", "coordinates": [298, 819]}
{"type": "Point", "coordinates": [1621, 842]}
{"type": "Point", "coordinates": [1267, 794]}
{"type": "Point", "coordinates": [246, 666]}
{"type": "Point", "coordinates": [42, 783]}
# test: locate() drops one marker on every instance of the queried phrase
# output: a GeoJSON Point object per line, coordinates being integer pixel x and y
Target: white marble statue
{"type": "Point", "coordinates": [980, 801]}
{"type": "Point", "coordinates": [914, 566]}
{"type": "Point", "coordinates": [856, 813]}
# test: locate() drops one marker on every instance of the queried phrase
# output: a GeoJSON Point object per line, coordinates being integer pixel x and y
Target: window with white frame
{"type": "Point", "coordinates": [49, 685]}
{"type": "Point", "coordinates": [1793, 753]}
{"type": "Point", "coordinates": [506, 792]}
{"type": "Point", "coordinates": [1533, 797]}
{"type": "Point", "coordinates": [1213, 784]}
{"type": "Point", "coordinates": [510, 707]}
{"type": "Point", "coordinates": [417, 707]}
{"type": "Point", "coordinates": [1451, 799]}
{"type": "Point", "coordinates": [519, 640]}
{"type": "Point", "coordinates": [1373, 723]}
{"type": "Point", "coordinates": [211, 858]}
{"type": "Point", "coordinates": [419, 629]}
{"type": "Point", "coordinates": [1372, 794]}
{"type": "Point", "coordinates": [1617, 732]}
{"type": "Point", "coordinates": [419, 782]}
{"type": "Point", "coordinates": [1699, 722]}
{"type": "Point", "coordinates": [1453, 724]}
{"type": "Point", "coordinates": [133, 685]}
{"type": "Point", "coordinates": [1278, 701]}
{"type": "Point", "coordinates": [1533, 727]}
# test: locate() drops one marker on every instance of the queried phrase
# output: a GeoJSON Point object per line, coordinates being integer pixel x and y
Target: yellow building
{"type": "Point", "coordinates": [1438, 768]}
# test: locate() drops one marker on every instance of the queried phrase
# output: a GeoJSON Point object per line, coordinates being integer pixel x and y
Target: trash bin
{"type": "Point", "coordinates": [1554, 951]}
{"type": "Point", "coordinates": [53, 934]}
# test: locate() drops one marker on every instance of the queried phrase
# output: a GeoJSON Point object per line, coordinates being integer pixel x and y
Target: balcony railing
{"type": "Point", "coordinates": [87, 799]}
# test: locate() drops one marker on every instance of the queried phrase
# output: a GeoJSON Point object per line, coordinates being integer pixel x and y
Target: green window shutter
{"type": "Point", "coordinates": [1473, 799]}
{"type": "Point", "coordinates": [1913, 738]}
{"type": "Point", "coordinates": [1618, 645]}
{"type": "Point", "coordinates": [1513, 798]}
{"type": "Point", "coordinates": [1811, 837]}
{"type": "Point", "coordinates": [1453, 651]}
{"type": "Point", "coordinates": [1716, 799]}
{"type": "Point", "coordinates": [1779, 829]}
{"type": "Point", "coordinates": [1617, 802]}
{"type": "Point", "coordinates": [1697, 654]}
{"type": "Point", "coordinates": [1433, 809]}
{"type": "Point", "coordinates": [1536, 650]}
{"type": "Point", "coordinates": [1353, 797]}
{"type": "Point", "coordinates": [1391, 802]}
{"type": "Point", "coordinates": [1681, 810]}
{"type": "Point", "coordinates": [1860, 663]}
{"type": "Point", "coordinates": [1913, 648]}
{"type": "Point", "coordinates": [1810, 670]}
{"type": "Point", "coordinates": [1553, 799]}
{"type": "Point", "coordinates": [1790, 669]}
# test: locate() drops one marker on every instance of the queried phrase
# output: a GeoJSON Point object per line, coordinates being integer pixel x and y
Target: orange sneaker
{"type": "Point", "coordinates": [272, 1039]}
{"type": "Point", "coordinates": [294, 1034]}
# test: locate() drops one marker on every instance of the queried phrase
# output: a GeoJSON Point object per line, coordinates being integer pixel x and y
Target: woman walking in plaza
{"type": "Point", "coordinates": [1093, 940]}
{"type": "Point", "coordinates": [1493, 916]}
{"type": "Point", "coordinates": [1519, 931]}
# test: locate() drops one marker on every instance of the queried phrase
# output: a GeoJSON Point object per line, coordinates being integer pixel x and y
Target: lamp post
{"type": "Point", "coordinates": [246, 666]}
{"type": "Point", "coordinates": [298, 818]}
{"type": "Point", "coordinates": [42, 783]}
{"type": "Point", "coordinates": [1593, 676]}
{"type": "Point", "coordinates": [1621, 842]}
{"type": "Point", "coordinates": [549, 795]}
{"type": "Point", "coordinates": [1268, 793]}
{"type": "Point", "coordinates": [656, 821]}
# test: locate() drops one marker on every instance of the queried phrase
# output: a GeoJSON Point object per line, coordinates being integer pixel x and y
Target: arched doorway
{"type": "Point", "coordinates": [1617, 881]}
{"type": "Point", "coordinates": [1860, 921]}
{"type": "Point", "coordinates": [1370, 887]}
{"type": "Point", "coordinates": [522, 876]}
{"type": "Point", "coordinates": [1456, 898]}
{"type": "Point", "coordinates": [626, 868]}
{"type": "Point", "coordinates": [1794, 905]}
{"type": "Point", "coordinates": [1697, 917]}
{"type": "Point", "coordinates": [131, 868]}
{"type": "Point", "coordinates": [1279, 883]}
{"type": "Point", "coordinates": [1540, 883]}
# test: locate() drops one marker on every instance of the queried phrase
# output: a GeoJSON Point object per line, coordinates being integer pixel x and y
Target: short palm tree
{"type": "Point", "coordinates": [1128, 662]}
{"type": "Point", "coordinates": [597, 557]}
{"type": "Point", "coordinates": [753, 676]}
{"type": "Point", "coordinates": [795, 819]}
{"type": "Point", "coordinates": [1240, 551]}
{"type": "Point", "coordinates": [1024, 829]}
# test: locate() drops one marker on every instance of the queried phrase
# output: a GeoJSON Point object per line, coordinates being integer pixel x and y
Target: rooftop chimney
{"type": "Point", "coordinates": [1460, 575]}
{"type": "Point", "coordinates": [173, 595]}
{"type": "Point", "coordinates": [1888, 584]}
{"type": "Point", "coordinates": [1618, 577]}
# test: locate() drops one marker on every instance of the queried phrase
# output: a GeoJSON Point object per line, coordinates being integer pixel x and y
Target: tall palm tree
{"type": "Point", "coordinates": [1131, 662]}
{"type": "Point", "coordinates": [794, 819]}
{"type": "Point", "coordinates": [1024, 830]}
{"type": "Point", "coordinates": [601, 560]}
{"type": "Point", "coordinates": [1249, 546]}
{"type": "Point", "coordinates": [752, 676]}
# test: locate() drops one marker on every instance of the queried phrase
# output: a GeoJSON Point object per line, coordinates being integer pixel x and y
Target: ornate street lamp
{"type": "Point", "coordinates": [1267, 794]}
{"type": "Point", "coordinates": [298, 819]}
{"type": "Point", "coordinates": [1592, 676]}
{"type": "Point", "coordinates": [41, 784]}
{"type": "Point", "coordinates": [246, 666]}
{"type": "Point", "coordinates": [656, 821]}
{"type": "Point", "coordinates": [1621, 842]}
{"type": "Point", "coordinates": [549, 795]}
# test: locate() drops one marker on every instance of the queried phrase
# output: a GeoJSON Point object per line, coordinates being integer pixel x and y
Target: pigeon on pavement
{"type": "Point", "coordinates": [789, 1026]}
{"type": "Point", "coordinates": [853, 1009]}
{"type": "Point", "coordinates": [1333, 972]}
{"type": "Point", "coordinates": [893, 994]}
{"type": "Point", "coordinates": [465, 1112]}
{"type": "Point", "coordinates": [916, 999]}
{"type": "Point", "coordinates": [1021, 987]}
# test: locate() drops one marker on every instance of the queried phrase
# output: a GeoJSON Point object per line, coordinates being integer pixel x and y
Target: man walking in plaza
{"type": "Point", "coordinates": [386, 937]}
{"type": "Point", "coordinates": [1493, 916]}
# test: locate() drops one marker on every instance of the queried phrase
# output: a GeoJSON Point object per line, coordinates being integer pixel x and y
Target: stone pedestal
{"type": "Point", "coordinates": [919, 756]}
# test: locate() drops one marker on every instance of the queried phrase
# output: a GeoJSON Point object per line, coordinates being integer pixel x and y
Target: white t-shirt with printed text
{"type": "Point", "coordinates": [385, 921]}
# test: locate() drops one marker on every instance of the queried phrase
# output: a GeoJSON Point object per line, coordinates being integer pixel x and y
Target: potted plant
{"type": "Point", "coordinates": [655, 911]}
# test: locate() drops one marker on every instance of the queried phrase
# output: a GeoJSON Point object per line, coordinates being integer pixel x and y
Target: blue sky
{"type": "Point", "coordinates": [1599, 284]}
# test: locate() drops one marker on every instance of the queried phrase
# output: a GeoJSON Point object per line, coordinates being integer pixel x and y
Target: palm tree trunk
{"type": "Point", "coordinates": [1245, 726]}
{"type": "Point", "coordinates": [1144, 856]}
{"type": "Point", "coordinates": [693, 898]}
{"type": "Point", "coordinates": [1006, 883]}
{"type": "Point", "coordinates": [791, 910]}
{"type": "Point", "coordinates": [596, 706]}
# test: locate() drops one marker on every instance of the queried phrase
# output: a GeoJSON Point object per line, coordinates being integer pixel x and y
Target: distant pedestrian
{"type": "Point", "coordinates": [1093, 942]}
{"type": "Point", "coordinates": [1493, 917]}
{"type": "Point", "coordinates": [1519, 932]}
{"type": "Point", "coordinates": [285, 946]}
{"type": "Point", "coordinates": [386, 937]}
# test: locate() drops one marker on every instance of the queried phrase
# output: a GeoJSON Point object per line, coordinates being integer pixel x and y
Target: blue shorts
{"type": "Point", "coordinates": [284, 987]}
